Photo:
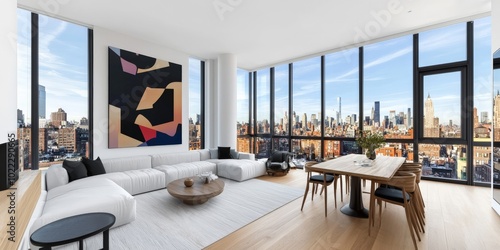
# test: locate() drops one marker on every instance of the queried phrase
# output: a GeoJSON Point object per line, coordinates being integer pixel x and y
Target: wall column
{"type": "Point", "coordinates": [226, 100]}
{"type": "Point", "coordinates": [8, 64]}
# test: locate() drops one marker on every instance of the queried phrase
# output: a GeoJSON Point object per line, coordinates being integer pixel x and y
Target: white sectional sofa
{"type": "Point", "coordinates": [113, 192]}
{"type": "Point", "coordinates": [182, 165]}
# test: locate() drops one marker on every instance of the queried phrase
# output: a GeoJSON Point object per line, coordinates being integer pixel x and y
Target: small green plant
{"type": "Point", "coordinates": [369, 140]}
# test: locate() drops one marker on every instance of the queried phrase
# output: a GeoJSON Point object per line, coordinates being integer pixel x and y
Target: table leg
{"type": "Point", "coordinates": [80, 244]}
{"type": "Point", "coordinates": [355, 207]}
{"type": "Point", "coordinates": [105, 240]}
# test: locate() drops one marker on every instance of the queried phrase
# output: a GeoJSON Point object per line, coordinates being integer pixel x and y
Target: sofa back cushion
{"type": "Point", "coordinates": [174, 158]}
{"type": "Point", "coordinates": [126, 163]}
{"type": "Point", "coordinates": [204, 154]}
{"type": "Point", "coordinates": [56, 176]}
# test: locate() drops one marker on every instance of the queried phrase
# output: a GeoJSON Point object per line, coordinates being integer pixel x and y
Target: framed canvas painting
{"type": "Point", "coordinates": [145, 100]}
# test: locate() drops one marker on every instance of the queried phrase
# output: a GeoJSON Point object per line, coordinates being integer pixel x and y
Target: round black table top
{"type": "Point", "coordinates": [72, 229]}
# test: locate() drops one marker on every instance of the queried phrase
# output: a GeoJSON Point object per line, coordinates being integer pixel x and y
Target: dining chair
{"type": "Point", "coordinates": [319, 179]}
{"type": "Point", "coordinates": [405, 183]}
{"type": "Point", "coordinates": [339, 177]}
{"type": "Point", "coordinates": [418, 201]}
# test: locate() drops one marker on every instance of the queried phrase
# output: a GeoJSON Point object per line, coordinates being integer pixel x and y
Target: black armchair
{"type": "Point", "coordinates": [278, 162]}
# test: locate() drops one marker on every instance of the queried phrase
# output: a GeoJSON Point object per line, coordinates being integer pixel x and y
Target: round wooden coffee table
{"type": "Point", "coordinates": [199, 193]}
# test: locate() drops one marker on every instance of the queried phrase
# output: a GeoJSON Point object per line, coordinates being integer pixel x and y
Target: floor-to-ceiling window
{"type": "Point", "coordinates": [196, 107]}
{"type": "Point", "coordinates": [243, 105]}
{"type": "Point", "coordinates": [482, 113]}
{"type": "Point", "coordinates": [53, 90]}
{"type": "Point", "coordinates": [281, 107]}
{"type": "Point", "coordinates": [426, 93]}
{"type": "Point", "coordinates": [306, 108]}
{"type": "Point", "coordinates": [442, 83]}
{"type": "Point", "coordinates": [263, 113]}
{"type": "Point", "coordinates": [341, 104]}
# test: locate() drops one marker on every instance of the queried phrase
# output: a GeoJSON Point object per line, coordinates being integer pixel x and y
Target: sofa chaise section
{"type": "Point", "coordinates": [87, 195]}
{"type": "Point", "coordinates": [239, 170]}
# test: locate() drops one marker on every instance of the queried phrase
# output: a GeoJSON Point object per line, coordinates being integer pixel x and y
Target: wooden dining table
{"type": "Point", "coordinates": [382, 168]}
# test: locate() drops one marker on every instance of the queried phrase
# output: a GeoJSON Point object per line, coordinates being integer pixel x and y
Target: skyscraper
{"type": "Point", "coordinates": [304, 120]}
{"type": "Point", "coordinates": [340, 110]}
{"type": "Point", "coordinates": [41, 102]}
{"type": "Point", "coordinates": [392, 118]}
{"type": "Point", "coordinates": [376, 115]}
{"type": "Point", "coordinates": [431, 123]}
{"type": "Point", "coordinates": [496, 116]}
{"type": "Point", "coordinates": [484, 117]}
{"type": "Point", "coordinates": [372, 116]}
{"type": "Point", "coordinates": [409, 118]}
{"type": "Point", "coordinates": [20, 118]}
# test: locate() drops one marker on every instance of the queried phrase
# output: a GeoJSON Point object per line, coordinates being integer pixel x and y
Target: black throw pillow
{"type": "Point", "coordinates": [224, 152]}
{"type": "Point", "coordinates": [76, 170]}
{"type": "Point", "coordinates": [93, 167]}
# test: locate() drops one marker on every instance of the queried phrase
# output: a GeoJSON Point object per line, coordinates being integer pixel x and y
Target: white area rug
{"type": "Point", "coordinates": [164, 222]}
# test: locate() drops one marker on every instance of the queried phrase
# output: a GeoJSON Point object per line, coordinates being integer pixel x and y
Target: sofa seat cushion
{"type": "Point", "coordinates": [86, 196]}
{"type": "Point", "coordinates": [183, 170]}
{"type": "Point", "coordinates": [240, 170]}
{"type": "Point", "coordinates": [137, 181]}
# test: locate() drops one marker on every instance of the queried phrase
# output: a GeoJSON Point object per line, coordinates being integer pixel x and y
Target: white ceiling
{"type": "Point", "coordinates": [261, 32]}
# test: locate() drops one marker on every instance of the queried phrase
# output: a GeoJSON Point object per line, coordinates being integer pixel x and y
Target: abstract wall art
{"type": "Point", "coordinates": [145, 100]}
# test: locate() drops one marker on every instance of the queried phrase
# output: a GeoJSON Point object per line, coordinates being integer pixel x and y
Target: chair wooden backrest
{"type": "Point", "coordinates": [404, 180]}
{"type": "Point", "coordinates": [415, 168]}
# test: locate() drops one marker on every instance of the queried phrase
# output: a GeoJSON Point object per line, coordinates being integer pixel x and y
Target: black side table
{"type": "Point", "coordinates": [74, 228]}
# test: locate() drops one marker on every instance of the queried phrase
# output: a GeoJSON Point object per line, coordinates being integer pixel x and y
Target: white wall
{"type": "Point", "coordinates": [104, 38]}
{"type": "Point", "coordinates": [8, 66]}
{"type": "Point", "coordinates": [227, 100]}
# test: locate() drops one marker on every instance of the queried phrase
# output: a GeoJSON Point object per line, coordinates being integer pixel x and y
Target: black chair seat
{"type": "Point", "coordinates": [329, 178]}
{"type": "Point", "coordinates": [392, 194]}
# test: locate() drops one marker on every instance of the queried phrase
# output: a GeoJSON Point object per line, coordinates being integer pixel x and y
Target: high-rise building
{"type": "Point", "coordinates": [340, 110]}
{"type": "Point", "coordinates": [304, 120]}
{"type": "Point", "coordinates": [376, 115]}
{"type": "Point", "coordinates": [348, 120]}
{"type": "Point", "coordinates": [409, 122]}
{"type": "Point", "coordinates": [392, 117]}
{"type": "Point", "coordinates": [20, 118]}
{"type": "Point", "coordinates": [372, 115]}
{"type": "Point", "coordinates": [42, 108]}
{"type": "Point", "coordinates": [314, 120]}
{"type": "Point", "coordinates": [484, 117]}
{"type": "Point", "coordinates": [431, 123]}
{"type": "Point", "coordinates": [496, 117]}
{"type": "Point", "coordinates": [58, 118]}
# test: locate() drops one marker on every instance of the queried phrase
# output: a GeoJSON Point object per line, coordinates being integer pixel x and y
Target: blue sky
{"type": "Point", "coordinates": [63, 66]}
{"type": "Point", "coordinates": [194, 88]}
{"type": "Point", "coordinates": [388, 77]}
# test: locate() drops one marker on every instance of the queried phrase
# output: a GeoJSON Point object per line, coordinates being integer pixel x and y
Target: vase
{"type": "Point", "coordinates": [188, 182]}
{"type": "Point", "coordinates": [370, 153]}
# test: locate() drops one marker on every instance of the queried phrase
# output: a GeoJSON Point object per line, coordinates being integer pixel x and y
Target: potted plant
{"type": "Point", "coordinates": [369, 142]}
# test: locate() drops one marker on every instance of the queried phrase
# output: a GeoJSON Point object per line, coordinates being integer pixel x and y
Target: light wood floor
{"type": "Point", "coordinates": [458, 217]}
